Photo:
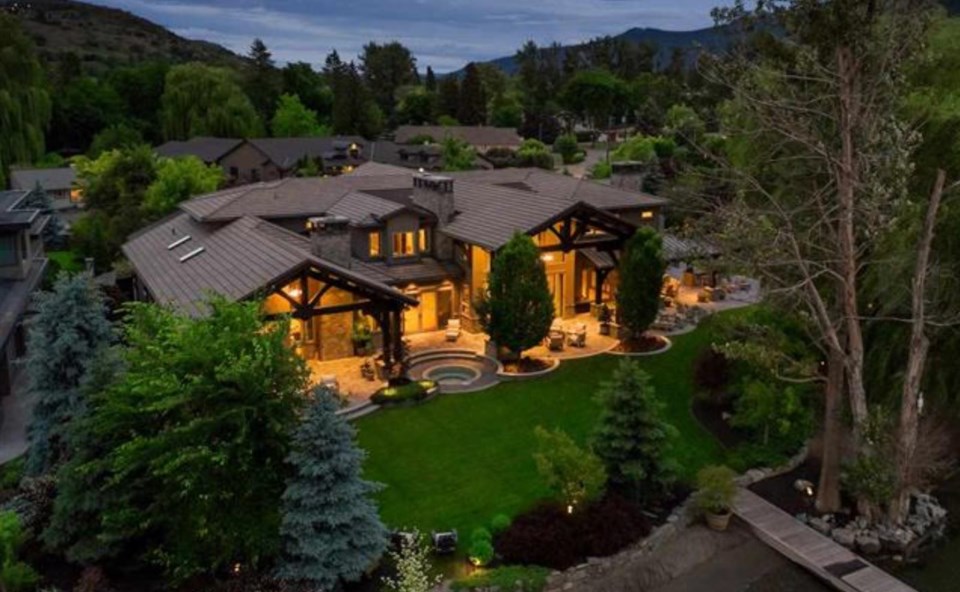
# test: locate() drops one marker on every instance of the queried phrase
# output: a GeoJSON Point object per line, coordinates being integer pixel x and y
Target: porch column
{"type": "Point", "coordinates": [600, 276]}
{"type": "Point", "coordinates": [397, 336]}
{"type": "Point", "coordinates": [383, 317]}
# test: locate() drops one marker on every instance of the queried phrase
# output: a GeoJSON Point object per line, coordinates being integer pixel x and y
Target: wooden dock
{"type": "Point", "coordinates": [820, 555]}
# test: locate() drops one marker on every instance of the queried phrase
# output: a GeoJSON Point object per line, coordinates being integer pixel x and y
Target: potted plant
{"type": "Point", "coordinates": [604, 317]}
{"type": "Point", "coordinates": [362, 338]}
{"type": "Point", "coordinates": [716, 490]}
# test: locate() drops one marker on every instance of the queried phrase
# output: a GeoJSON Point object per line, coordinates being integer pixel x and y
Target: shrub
{"type": "Point", "coordinates": [779, 415]}
{"type": "Point", "coordinates": [566, 146]}
{"type": "Point", "coordinates": [500, 523]}
{"type": "Point", "coordinates": [601, 170]}
{"type": "Point", "coordinates": [711, 373]}
{"type": "Point", "coordinates": [517, 578]}
{"type": "Point", "coordinates": [549, 536]}
{"type": "Point", "coordinates": [410, 392]}
{"type": "Point", "coordinates": [575, 475]}
{"type": "Point", "coordinates": [480, 552]}
{"type": "Point", "coordinates": [716, 489]}
{"type": "Point", "coordinates": [15, 575]}
{"type": "Point", "coordinates": [11, 473]}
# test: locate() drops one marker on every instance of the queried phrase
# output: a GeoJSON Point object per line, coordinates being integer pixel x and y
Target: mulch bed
{"type": "Point", "coordinates": [526, 366]}
{"type": "Point", "coordinates": [646, 344]}
{"type": "Point", "coordinates": [779, 491]}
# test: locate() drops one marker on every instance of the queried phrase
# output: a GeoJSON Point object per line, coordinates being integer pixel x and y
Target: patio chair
{"type": "Point", "coordinates": [555, 341]}
{"type": "Point", "coordinates": [453, 330]}
{"type": "Point", "coordinates": [444, 543]}
{"type": "Point", "coordinates": [578, 337]}
{"type": "Point", "coordinates": [329, 381]}
{"type": "Point", "coordinates": [557, 325]}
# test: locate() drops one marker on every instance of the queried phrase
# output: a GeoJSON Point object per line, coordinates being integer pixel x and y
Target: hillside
{"type": "Point", "coordinates": [102, 36]}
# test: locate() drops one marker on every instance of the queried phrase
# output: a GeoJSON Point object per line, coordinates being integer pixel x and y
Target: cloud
{"type": "Point", "coordinates": [442, 33]}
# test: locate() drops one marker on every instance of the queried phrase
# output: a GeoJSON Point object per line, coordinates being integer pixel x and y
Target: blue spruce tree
{"type": "Point", "coordinates": [331, 532]}
{"type": "Point", "coordinates": [68, 334]}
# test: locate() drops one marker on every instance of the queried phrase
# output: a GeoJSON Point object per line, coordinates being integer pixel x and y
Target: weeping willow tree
{"type": "Point", "coordinates": [200, 100]}
{"type": "Point", "coordinates": [24, 101]}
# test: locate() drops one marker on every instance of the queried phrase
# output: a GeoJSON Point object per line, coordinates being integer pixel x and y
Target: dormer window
{"type": "Point", "coordinates": [403, 244]}
{"type": "Point", "coordinates": [423, 240]}
{"type": "Point", "coordinates": [373, 240]}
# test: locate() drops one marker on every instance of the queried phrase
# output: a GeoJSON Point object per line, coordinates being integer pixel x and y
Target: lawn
{"type": "Point", "coordinates": [66, 260]}
{"type": "Point", "coordinates": [457, 461]}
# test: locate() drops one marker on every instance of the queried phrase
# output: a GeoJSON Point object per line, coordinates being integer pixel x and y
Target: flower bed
{"type": "Point", "coordinates": [528, 367]}
{"type": "Point", "coordinates": [646, 345]}
{"type": "Point", "coordinates": [407, 393]}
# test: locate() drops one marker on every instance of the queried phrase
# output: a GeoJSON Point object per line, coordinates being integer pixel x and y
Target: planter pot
{"type": "Point", "coordinates": [718, 522]}
{"type": "Point", "coordinates": [604, 328]}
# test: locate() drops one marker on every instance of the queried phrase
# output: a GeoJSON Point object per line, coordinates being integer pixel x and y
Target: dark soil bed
{"type": "Point", "coordinates": [526, 366]}
{"type": "Point", "coordinates": [646, 344]}
{"type": "Point", "coordinates": [780, 491]}
{"type": "Point", "coordinates": [711, 416]}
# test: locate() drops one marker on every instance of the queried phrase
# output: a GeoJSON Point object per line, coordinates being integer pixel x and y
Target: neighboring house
{"type": "Point", "coordinates": [268, 159]}
{"type": "Point", "coordinates": [22, 265]}
{"type": "Point", "coordinates": [60, 184]}
{"type": "Point", "coordinates": [402, 250]}
{"type": "Point", "coordinates": [481, 138]}
{"type": "Point", "coordinates": [425, 157]}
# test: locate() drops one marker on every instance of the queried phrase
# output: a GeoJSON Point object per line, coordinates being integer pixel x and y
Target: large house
{"type": "Point", "coordinates": [403, 250]}
{"type": "Point", "coordinates": [60, 184]}
{"type": "Point", "coordinates": [268, 159]}
{"type": "Point", "coordinates": [22, 265]}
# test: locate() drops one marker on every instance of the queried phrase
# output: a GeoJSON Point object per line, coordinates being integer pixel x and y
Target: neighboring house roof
{"type": "Point", "coordinates": [286, 152]}
{"type": "Point", "coordinates": [473, 135]}
{"type": "Point", "coordinates": [237, 260]}
{"type": "Point", "coordinates": [207, 149]}
{"type": "Point", "coordinates": [12, 215]}
{"type": "Point", "coordinates": [687, 249]}
{"type": "Point", "coordinates": [413, 156]}
{"type": "Point", "coordinates": [58, 179]}
{"type": "Point", "coordinates": [15, 298]}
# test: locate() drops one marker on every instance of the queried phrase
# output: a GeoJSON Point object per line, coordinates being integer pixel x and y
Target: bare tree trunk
{"type": "Point", "coordinates": [846, 177]}
{"type": "Point", "coordinates": [828, 491]}
{"type": "Point", "coordinates": [919, 346]}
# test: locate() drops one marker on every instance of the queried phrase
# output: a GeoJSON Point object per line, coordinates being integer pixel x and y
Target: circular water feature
{"type": "Point", "coordinates": [452, 374]}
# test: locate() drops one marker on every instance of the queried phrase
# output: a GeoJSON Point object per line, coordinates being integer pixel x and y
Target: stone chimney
{"type": "Point", "coordinates": [628, 175]}
{"type": "Point", "coordinates": [330, 239]}
{"type": "Point", "coordinates": [434, 193]}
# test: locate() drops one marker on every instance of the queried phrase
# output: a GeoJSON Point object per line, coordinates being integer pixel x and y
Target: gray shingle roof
{"type": "Point", "coordinates": [362, 208]}
{"type": "Point", "coordinates": [12, 214]}
{"type": "Point", "coordinates": [58, 179]}
{"type": "Point", "coordinates": [686, 249]}
{"type": "Point", "coordinates": [286, 152]}
{"type": "Point", "coordinates": [237, 260]}
{"type": "Point", "coordinates": [473, 135]}
{"type": "Point", "coordinates": [207, 149]}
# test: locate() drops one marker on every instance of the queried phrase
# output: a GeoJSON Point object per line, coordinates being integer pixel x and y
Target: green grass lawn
{"type": "Point", "coordinates": [66, 260]}
{"type": "Point", "coordinates": [461, 459]}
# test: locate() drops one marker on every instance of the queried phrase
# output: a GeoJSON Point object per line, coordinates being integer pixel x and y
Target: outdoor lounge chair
{"type": "Point", "coordinates": [453, 329]}
{"type": "Point", "coordinates": [578, 336]}
{"type": "Point", "coordinates": [444, 543]}
{"type": "Point", "coordinates": [555, 340]}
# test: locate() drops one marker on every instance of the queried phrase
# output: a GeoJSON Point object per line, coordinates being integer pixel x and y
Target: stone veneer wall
{"type": "Point", "coordinates": [589, 576]}
{"type": "Point", "coordinates": [336, 329]}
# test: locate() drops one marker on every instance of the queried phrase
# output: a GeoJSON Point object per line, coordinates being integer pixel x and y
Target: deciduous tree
{"type": "Point", "coordinates": [201, 100]}
{"type": "Point", "coordinates": [179, 179]}
{"type": "Point", "coordinates": [293, 119]}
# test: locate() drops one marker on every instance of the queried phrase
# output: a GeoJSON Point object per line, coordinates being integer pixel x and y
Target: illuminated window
{"type": "Point", "coordinates": [402, 244]}
{"type": "Point", "coordinates": [423, 238]}
{"type": "Point", "coordinates": [375, 244]}
{"type": "Point", "coordinates": [76, 195]}
{"type": "Point", "coordinates": [646, 215]}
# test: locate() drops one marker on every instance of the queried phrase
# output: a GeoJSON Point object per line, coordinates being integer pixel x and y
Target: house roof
{"type": "Point", "coordinates": [58, 179]}
{"type": "Point", "coordinates": [12, 214]}
{"type": "Point", "coordinates": [286, 152]}
{"type": "Point", "coordinates": [473, 135]}
{"type": "Point", "coordinates": [207, 149]}
{"type": "Point", "coordinates": [237, 260]}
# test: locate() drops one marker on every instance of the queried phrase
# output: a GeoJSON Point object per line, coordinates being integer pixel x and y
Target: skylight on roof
{"type": "Point", "coordinates": [191, 254]}
{"type": "Point", "coordinates": [178, 242]}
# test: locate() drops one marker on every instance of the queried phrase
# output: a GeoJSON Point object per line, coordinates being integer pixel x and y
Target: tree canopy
{"type": "Point", "coordinates": [25, 106]}
{"type": "Point", "coordinates": [292, 119]}
{"type": "Point", "coordinates": [200, 100]}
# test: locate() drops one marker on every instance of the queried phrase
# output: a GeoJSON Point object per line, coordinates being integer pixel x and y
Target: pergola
{"type": "Point", "coordinates": [384, 304]}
